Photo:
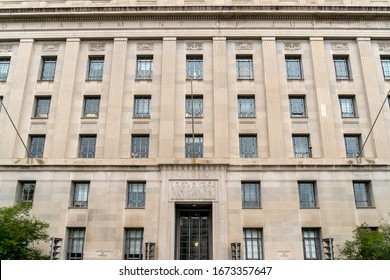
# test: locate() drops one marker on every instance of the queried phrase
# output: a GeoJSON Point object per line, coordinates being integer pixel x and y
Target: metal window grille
{"type": "Point", "coordinates": [136, 195]}
{"type": "Point", "coordinates": [42, 107]}
{"type": "Point", "coordinates": [341, 68]}
{"type": "Point", "coordinates": [75, 244]}
{"type": "Point", "coordinates": [362, 194]}
{"type": "Point", "coordinates": [347, 107]}
{"type": "Point", "coordinates": [142, 106]}
{"type": "Point", "coordinates": [244, 67]}
{"type": "Point", "coordinates": [246, 106]}
{"type": "Point", "coordinates": [198, 106]}
{"type": "Point", "coordinates": [95, 70]}
{"type": "Point", "coordinates": [352, 145]}
{"type": "Point", "coordinates": [48, 68]}
{"type": "Point", "coordinates": [297, 107]}
{"type": "Point", "coordinates": [250, 192]}
{"type": "Point", "coordinates": [91, 106]}
{"type": "Point", "coordinates": [293, 68]}
{"type": "Point", "coordinates": [37, 144]}
{"type": "Point", "coordinates": [133, 244]}
{"type": "Point", "coordinates": [27, 191]}
{"type": "Point", "coordinates": [311, 244]}
{"type": "Point", "coordinates": [87, 146]}
{"type": "Point", "coordinates": [301, 146]}
{"type": "Point", "coordinates": [144, 68]}
{"type": "Point", "coordinates": [4, 67]}
{"type": "Point", "coordinates": [80, 195]}
{"type": "Point", "coordinates": [386, 67]}
{"type": "Point", "coordinates": [194, 68]}
{"type": "Point", "coordinates": [140, 146]}
{"type": "Point", "coordinates": [194, 147]}
{"type": "Point", "coordinates": [307, 195]}
{"type": "Point", "coordinates": [248, 146]}
{"type": "Point", "coordinates": [253, 244]}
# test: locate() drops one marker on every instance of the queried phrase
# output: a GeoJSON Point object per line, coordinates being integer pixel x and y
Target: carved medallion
{"type": "Point", "coordinates": [193, 190]}
{"type": "Point", "coordinates": [97, 47]}
{"type": "Point", "coordinates": [292, 46]}
{"type": "Point", "coordinates": [194, 46]}
{"type": "Point", "coordinates": [340, 46]}
{"type": "Point", "coordinates": [244, 45]}
{"type": "Point", "coordinates": [6, 48]}
{"type": "Point", "coordinates": [384, 47]}
{"type": "Point", "coordinates": [50, 47]}
{"type": "Point", "coordinates": [145, 46]}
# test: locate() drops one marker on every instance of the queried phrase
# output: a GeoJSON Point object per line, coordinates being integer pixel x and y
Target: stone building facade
{"type": "Point", "coordinates": [193, 125]}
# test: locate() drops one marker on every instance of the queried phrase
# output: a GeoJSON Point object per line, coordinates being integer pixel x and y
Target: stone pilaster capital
{"type": "Point", "coordinates": [268, 39]}
{"type": "Point", "coordinates": [316, 39]}
{"type": "Point", "coordinates": [120, 40]}
{"type": "Point", "coordinates": [26, 41]}
{"type": "Point", "coordinates": [73, 40]}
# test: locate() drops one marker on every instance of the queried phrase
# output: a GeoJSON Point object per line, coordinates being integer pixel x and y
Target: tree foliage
{"type": "Point", "coordinates": [368, 244]}
{"type": "Point", "coordinates": [19, 232]}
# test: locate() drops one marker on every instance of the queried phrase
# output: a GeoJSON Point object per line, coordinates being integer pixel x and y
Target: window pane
{"type": "Point", "coordinates": [248, 146]}
{"type": "Point", "coordinates": [352, 146]}
{"type": "Point", "coordinates": [253, 244]}
{"type": "Point", "coordinates": [142, 106]}
{"type": "Point", "coordinates": [246, 106]}
{"type": "Point", "coordinates": [48, 68]}
{"type": "Point", "coordinates": [311, 244]}
{"type": "Point", "coordinates": [133, 244]}
{"type": "Point", "coordinates": [136, 195]}
{"type": "Point", "coordinates": [80, 196]}
{"type": "Point", "coordinates": [244, 68]}
{"type": "Point", "coordinates": [197, 107]}
{"type": "Point", "coordinates": [91, 107]}
{"type": "Point", "coordinates": [194, 146]}
{"type": "Point", "coordinates": [307, 195]}
{"type": "Point", "coordinates": [4, 67]}
{"type": "Point", "coordinates": [301, 147]}
{"type": "Point", "coordinates": [194, 68]}
{"type": "Point", "coordinates": [297, 107]}
{"type": "Point", "coordinates": [293, 68]}
{"type": "Point", "coordinates": [250, 193]}
{"type": "Point", "coordinates": [140, 146]}
{"type": "Point", "coordinates": [347, 107]}
{"type": "Point", "coordinates": [76, 244]}
{"type": "Point", "coordinates": [362, 194]}
{"type": "Point", "coordinates": [42, 107]}
{"type": "Point", "coordinates": [386, 67]}
{"type": "Point", "coordinates": [27, 191]}
{"type": "Point", "coordinates": [37, 144]}
{"type": "Point", "coordinates": [144, 68]}
{"type": "Point", "coordinates": [95, 71]}
{"type": "Point", "coordinates": [87, 146]}
{"type": "Point", "coordinates": [341, 67]}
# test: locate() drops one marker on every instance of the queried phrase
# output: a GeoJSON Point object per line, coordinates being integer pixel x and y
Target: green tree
{"type": "Point", "coordinates": [368, 244]}
{"type": "Point", "coordinates": [19, 232]}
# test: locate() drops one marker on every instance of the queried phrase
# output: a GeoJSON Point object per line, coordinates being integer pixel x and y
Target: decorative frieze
{"type": "Point", "coordinates": [97, 47]}
{"type": "Point", "coordinates": [384, 47]}
{"type": "Point", "coordinates": [6, 48]}
{"type": "Point", "coordinates": [145, 46]}
{"type": "Point", "coordinates": [339, 46]}
{"type": "Point", "coordinates": [292, 46]}
{"type": "Point", "coordinates": [194, 46]}
{"type": "Point", "coordinates": [193, 190]}
{"type": "Point", "coordinates": [244, 45]}
{"type": "Point", "coordinates": [50, 47]}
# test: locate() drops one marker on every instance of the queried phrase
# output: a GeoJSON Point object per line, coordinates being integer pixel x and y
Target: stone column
{"type": "Point", "coordinates": [115, 99]}
{"type": "Point", "coordinates": [65, 96]}
{"type": "Point", "coordinates": [221, 125]}
{"type": "Point", "coordinates": [273, 103]}
{"type": "Point", "coordinates": [12, 146]}
{"type": "Point", "coordinates": [167, 109]}
{"type": "Point", "coordinates": [325, 112]}
{"type": "Point", "coordinates": [374, 99]}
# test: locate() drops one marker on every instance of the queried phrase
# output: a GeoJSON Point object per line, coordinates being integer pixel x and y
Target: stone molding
{"type": "Point", "coordinates": [193, 190]}
{"type": "Point", "coordinates": [384, 47]}
{"type": "Point", "coordinates": [50, 47]}
{"type": "Point", "coordinates": [145, 46]}
{"type": "Point", "coordinates": [244, 46]}
{"type": "Point", "coordinates": [194, 46]}
{"type": "Point", "coordinates": [97, 47]}
{"type": "Point", "coordinates": [340, 46]}
{"type": "Point", "coordinates": [6, 48]}
{"type": "Point", "coordinates": [292, 46]}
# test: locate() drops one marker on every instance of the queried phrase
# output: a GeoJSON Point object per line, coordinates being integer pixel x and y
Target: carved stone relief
{"type": "Point", "coordinates": [292, 46]}
{"type": "Point", "coordinates": [6, 48]}
{"type": "Point", "coordinates": [340, 46]}
{"type": "Point", "coordinates": [96, 47]}
{"type": "Point", "coordinates": [244, 45]}
{"type": "Point", "coordinates": [194, 46]}
{"type": "Point", "coordinates": [193, 190]}
{"type": "Point", "coordinates": [145, 46]}
{"type": "Point", "coordinates": [384, 46]}
{"type": "Point", "coordinates": [50, 47]}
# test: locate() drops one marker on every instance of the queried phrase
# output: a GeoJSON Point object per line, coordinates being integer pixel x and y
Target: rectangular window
{"type": "Point", "coordinates": [297, 106]}
{"type": "Point", "coordinates": [27, 190]}
{"type": "Point", "coordinates": [91, 106]}
{"type": "Point", "coordinates": [253, 244]}
{"type": "Point", "coordinates": [75, 248]}
{"type": "Point", "coordinates": [352, 145]}
{"type": "Point", "coordinates": [48, 68]}
{"type": "Point", "coordinates": [194, 146]}
{"type": "Point", "coordinates": [37, 145]}
{"type": "Point", "coordinates": [80, 194]}
{"type": "Point", "coordinates": [194, 67]}
{"type": "Point", "coordinates": [293, 68]}
{"type": "Point", "coordinates": [42, 106]}
{"type": "Point", "coordinates": [1, 102]}
{"type": "Point", "coordinates": [95, 68]}
{"type": "Point", "coordinates": [136, 195]}
{"type": "Point", "coordinates": [142, 106]}
{"type": "Point", "coordinates": [341, 66]}
{"type": "Point", "coordinates": [311, 243]}
{"type": "Point", "coordinates": [347, 106]}
{"type": "Point", "coordinates": [302, 148]}
{"type": "Point", "coordinates": [87, 146]}
{"type": "Point", "coordinates": [248, 146]}
{"type": "Point", "coordinates": [250, 194]}
{"type": "Point", "coordinates": [362, 192]}
{"type": "Point", "coordinates": [196, 108]}
{"type": "Point", "coordinates": [144, 68]}
{"type": "Point", "coordinates": [246, 106]}
{"type": "Point", "coordinates": [140, 146]}
{"type": "Point", "coordinates": [134, 238]}
{"type": "Point", "coordinates": [307, 194]}
{"type": "Point", "coordinates": [385, 61]}
{"type": "Point", "coordinates": [244, 65]}
{"type": "Point", "coordinates": [4, 67]}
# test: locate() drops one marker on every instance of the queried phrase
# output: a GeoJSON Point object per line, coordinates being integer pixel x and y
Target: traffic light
{"type": "Point", "coordinates": [55, 247]}
{"type": "Point", "coordinates": [236, 250]}
{"type": "Point", "coordinates": [328, 248]}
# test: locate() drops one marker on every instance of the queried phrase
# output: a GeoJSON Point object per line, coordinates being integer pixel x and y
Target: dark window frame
{"type": "Point", "coordinates": [133, 244]}
{"type": "Point", "coordinates": [198, 148]}
{"type": "Point", "coordinates": [197, 100]}
{"type": "Point", "coordinates": [312, 245]}
{"type": "Point", "coordinates": [95, 74]}
{"type": "Point", "coordinates": [91, 111]}
{"type": "Point", "coordinates": [144, 69]}
{"type": "Point", "coordinates": [352, 151]}
{"type": "Point", "coordinates": [36, 149]}
{"type": "Point", "coordinates": [342, 67]}
{"type": "Point", "coordinates": [294, 69]}
{"type": "Point", "coordinates": [194, 63]}
{"type": "Point", "coordinates": [295, 106]}
{"type": "Point", "coordinates": [362, 192]}
{"type": "Point", "coordinates": [48, 68]}
{"type": "Point", "coordinates": [307, 194]}
{"type": "Point", "coordinates": [255, 241]}
{"type": "Point", "coordinates": [244, 67]}
{"type": "Point", "coordinates": [245, 150]}
{"type": "Point", "coordinates": [27, 191]}
{"type": "Point", "coordinates": [250, 195]}
{"type": "Point", "coordinates": [75, 243]}
{"type": "Point", "coordinates": [136, 195]}
{"type": "Point", "coordinates": [5, 63]}
{"type": "Point", "coordinates": [299, 147]}
{"type": "Point", "coordinates": [42, 107]}
{"type": "Point", "coordinates": [80, 194]}
{"type": "Point", "coordinates": [246, 106]}
{"type": "Point", "coordinates": [347, 106]}
{"type": "Point", "coordinates": [88, 153]}
{"type": "Point", "coordinates": [385, 64]}
{"type": "Point", "coordinates": [142, 106]}
{"type": "Point", "coordinates": [140, 145]}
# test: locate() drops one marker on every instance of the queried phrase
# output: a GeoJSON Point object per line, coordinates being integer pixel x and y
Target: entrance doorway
{"type": "Point", "coordinates": [193, 232]}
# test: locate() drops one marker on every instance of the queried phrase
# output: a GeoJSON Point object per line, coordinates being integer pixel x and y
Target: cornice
{"type": "Point", "coordinates": [195, 13]}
